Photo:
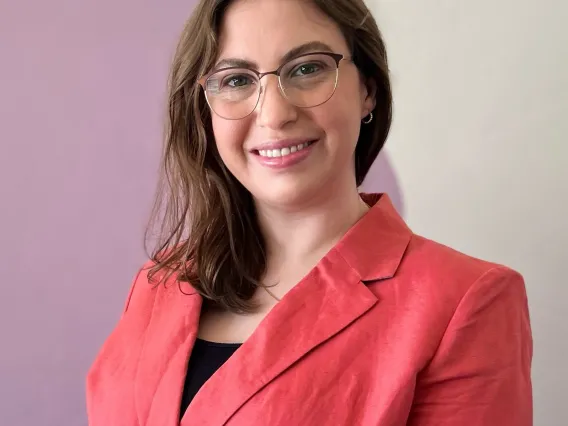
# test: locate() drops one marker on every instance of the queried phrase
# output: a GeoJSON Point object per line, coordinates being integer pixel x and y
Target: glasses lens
{"type": "Point", "coordinates": [309, 80]}
{"type": "Point", "coordinates": [232, 93]}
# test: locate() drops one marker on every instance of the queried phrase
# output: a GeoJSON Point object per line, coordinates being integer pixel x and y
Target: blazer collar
{"type": "Point", "coordinates": [375, 245]}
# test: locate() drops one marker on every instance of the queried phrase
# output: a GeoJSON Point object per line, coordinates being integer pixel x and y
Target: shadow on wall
{"type": "Point", "coordinates": [382, 178]}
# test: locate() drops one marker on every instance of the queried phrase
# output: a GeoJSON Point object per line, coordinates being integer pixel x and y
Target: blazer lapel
{"type": "Point", "coordinates": [162, 364]}
{"type": "Point", "coordinates": [326, 301]}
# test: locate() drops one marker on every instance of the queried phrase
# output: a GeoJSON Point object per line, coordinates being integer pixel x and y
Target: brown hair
{"type": "Point", "coordinates": [208, 230]}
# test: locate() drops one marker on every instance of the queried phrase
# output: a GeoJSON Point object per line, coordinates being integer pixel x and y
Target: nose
{"type": "Point", "coordinates": [274, 111]}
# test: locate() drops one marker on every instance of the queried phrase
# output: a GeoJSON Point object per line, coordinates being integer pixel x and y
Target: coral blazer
{"type": "Point", "coordinates": [388, 329]}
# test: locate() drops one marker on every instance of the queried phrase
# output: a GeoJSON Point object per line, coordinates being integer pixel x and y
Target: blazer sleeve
{"type": "Point", "coordinates": [480, 374]}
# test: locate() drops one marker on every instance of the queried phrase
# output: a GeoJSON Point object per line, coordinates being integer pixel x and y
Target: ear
{"type": "Point", "coordinates": [369, 97]}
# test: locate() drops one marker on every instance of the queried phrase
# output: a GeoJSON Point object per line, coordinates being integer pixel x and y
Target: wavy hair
{"type": "Point", "coordinates": [204, 224]}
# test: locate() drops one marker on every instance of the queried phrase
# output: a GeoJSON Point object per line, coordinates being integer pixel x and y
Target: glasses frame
{"type": "Point", "coordinates": [338, 57]}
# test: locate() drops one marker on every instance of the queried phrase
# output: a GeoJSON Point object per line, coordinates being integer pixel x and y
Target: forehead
{"type": "Point", "coordinates": [263, 31]}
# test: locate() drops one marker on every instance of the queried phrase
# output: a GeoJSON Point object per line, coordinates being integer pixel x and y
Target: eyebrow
{"type": "Point", "coordinates": [310, 47]}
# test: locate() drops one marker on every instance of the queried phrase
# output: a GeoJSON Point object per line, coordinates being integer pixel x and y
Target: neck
{"type": "Point", "coordinates": [298, 238]}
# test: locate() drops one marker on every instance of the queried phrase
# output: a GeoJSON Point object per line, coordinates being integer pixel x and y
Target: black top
{"type": "Point", "coordinates": [206, 358]}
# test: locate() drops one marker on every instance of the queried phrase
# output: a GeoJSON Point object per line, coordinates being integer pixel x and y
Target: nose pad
{"type": "Point", "coordinates": [264, 91]}
{"type": "Point", "coordinates": [273, 109]}
{"type": "Point", "coordinates": [261, 96]}
{"type": "Point", "coordinates": [260, 101]}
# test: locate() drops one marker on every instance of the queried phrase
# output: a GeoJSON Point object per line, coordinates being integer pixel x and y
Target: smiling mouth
{"type": "Point", "coordinates": [283, 152]}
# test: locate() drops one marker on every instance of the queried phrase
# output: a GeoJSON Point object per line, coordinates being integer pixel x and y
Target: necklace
{"type": "Point", "coordinates": [271, 294]}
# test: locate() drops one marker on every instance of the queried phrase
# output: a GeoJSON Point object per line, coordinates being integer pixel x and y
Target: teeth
{"type": "Point", "coordinates": [270, 153]}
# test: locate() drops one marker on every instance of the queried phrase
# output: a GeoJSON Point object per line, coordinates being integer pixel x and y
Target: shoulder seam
{"type": "Point", "coordinates": [474, 282]}
{"type": "Point", "coordinates": [466, 292]}
{"type": "Point", "coordinates": [129, 297]}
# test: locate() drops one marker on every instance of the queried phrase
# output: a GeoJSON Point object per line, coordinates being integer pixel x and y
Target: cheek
{"type": "Point", "coordinates": [340, 120]}
{"type": "Point", "coordinates": [348, 106]}
{"type": "Point", "coordinates": [229, 138]}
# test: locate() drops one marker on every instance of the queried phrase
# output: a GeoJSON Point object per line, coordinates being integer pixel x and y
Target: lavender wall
{"type": "Point", "coordinates": [81, 97]}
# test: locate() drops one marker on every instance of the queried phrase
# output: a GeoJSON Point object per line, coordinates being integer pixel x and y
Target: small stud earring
{"type": "Point", "coordinates": [368, 119]}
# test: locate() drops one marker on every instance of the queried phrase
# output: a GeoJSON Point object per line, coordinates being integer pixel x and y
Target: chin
{"type": "Point", "coordinates": [284, 196]}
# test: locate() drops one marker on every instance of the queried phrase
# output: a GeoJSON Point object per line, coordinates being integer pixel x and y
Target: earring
{"type": "Point", "coordinates": [369, 119]}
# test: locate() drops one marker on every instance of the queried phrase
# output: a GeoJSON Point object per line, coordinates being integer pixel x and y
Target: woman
{"type": "Point", "coordinates": [280, 295]}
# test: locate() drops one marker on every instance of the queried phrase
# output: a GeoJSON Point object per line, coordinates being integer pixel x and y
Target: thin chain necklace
{"type": "Point", "coordinates": [271, 294]}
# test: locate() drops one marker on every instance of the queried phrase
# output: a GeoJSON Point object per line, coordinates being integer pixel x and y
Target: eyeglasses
{"type": "Point", "coordinates": [306, 81]}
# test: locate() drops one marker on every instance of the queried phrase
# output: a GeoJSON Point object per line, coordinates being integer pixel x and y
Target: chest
{"type": "Point", "coordinates": [222, 326]}
{"type": "Point", "coordinates": [283, 379]}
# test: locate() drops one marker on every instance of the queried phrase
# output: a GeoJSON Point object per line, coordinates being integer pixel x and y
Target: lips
{"type": "Point", "coordinates": [282, 155]}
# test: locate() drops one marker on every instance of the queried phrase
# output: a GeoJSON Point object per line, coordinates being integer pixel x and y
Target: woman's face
{"type": "Point", "coordinates": [259, 149]}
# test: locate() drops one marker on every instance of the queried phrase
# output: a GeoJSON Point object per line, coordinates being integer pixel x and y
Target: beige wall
{"type": "Point", "coordinates": [479, 149]}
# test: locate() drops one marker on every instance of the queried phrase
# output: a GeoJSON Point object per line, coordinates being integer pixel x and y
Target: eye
{"type": "Point", "coordinates": [236, 81]}
{"type": "Point", "coordinates": [307, 69]}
